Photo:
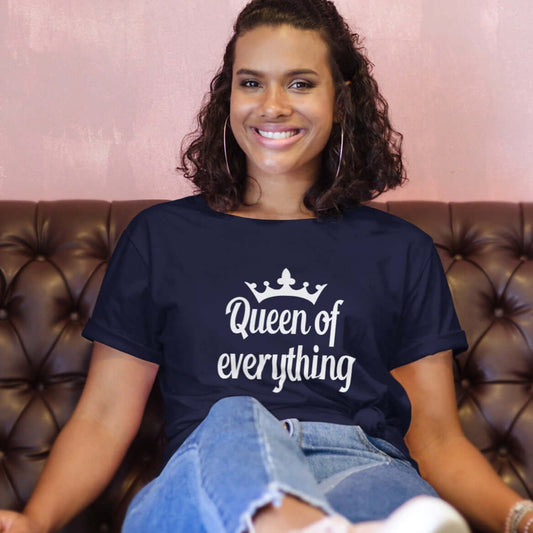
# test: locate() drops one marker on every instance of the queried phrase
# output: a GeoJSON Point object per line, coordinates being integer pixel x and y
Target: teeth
{"type": "Point", "coordinates": [277, 134]}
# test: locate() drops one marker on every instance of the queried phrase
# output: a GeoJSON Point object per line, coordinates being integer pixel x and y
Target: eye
{"type": "Point", "coordinates": [301, 85]}
{"type": "Point", "coordinates": [250, 84]}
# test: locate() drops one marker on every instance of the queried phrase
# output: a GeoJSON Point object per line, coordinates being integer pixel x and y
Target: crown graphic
{"type": "Point", "coordinates": [286, 281]}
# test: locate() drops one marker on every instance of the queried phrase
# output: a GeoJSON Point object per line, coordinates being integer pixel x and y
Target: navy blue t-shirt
{"type": "Point", "coordinates": [307, 316]}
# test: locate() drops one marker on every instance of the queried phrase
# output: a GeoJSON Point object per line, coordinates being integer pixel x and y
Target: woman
{"type": "Point", "coordinates": [298, 336]}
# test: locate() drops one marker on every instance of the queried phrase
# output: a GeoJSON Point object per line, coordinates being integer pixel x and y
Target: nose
{"type": "Point", "coordinates": [275, 103]}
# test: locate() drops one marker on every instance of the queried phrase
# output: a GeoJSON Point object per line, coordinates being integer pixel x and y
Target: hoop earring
{"type": "Point", "coordinates": [225, 148]}
{"type": "Point", "coordinates": [341, 149]}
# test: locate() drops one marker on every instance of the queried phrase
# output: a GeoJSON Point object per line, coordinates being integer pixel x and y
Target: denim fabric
{"type": "Point", "coordinates": [241, 458]}
{"type": "Point", "coordinates": [362, 477]}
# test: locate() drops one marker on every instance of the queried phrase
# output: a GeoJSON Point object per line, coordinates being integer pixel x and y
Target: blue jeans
{"type": "Point", "coordinates": [241, 458]}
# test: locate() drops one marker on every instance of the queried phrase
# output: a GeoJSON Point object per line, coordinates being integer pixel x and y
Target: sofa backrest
{"type": "Point", "coordinates": [53, 257]}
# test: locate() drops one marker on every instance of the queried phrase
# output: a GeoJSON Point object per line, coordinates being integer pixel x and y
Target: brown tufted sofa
{"type": "Point", "coordinates": [52, 259]}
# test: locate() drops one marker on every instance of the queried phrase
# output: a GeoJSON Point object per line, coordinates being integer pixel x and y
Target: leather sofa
{"type": "Point", "coordinates": [52, 259]}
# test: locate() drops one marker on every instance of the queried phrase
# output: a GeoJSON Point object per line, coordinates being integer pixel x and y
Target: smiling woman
{"type": "Point", "coordinates": [282, 110]}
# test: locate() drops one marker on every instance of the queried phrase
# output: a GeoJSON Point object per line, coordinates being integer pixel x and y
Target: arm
{"type": "Point", "coordinates": [92, 444]}
{"type": "Point", "coordinates": [447, 460]}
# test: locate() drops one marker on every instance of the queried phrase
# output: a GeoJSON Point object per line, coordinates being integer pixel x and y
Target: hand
{"type": "Point", "coordinates": [12, 522]}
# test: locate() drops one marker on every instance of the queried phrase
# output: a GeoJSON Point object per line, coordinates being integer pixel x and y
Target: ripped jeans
{"type": "Point", "coordinates": [241, 458]}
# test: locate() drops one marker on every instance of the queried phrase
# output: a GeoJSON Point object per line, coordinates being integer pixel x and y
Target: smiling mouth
{"type": "Point", "coordinates": [277, 134]}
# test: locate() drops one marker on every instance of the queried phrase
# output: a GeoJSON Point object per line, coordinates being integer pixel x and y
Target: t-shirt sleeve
{"type": "Point", "coordinates": [429, 323]}
{"type": "Point", "coordinates": [124, 316]}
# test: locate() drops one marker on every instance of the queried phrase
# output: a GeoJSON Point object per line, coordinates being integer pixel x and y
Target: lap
{"type": "Point", "coordinates": [355, 475]}
{"type": "Point", "coordinates": [363, 478]}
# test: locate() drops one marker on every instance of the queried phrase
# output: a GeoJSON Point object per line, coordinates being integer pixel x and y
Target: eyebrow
{"type": "Point", "coordinates": [295, 72]}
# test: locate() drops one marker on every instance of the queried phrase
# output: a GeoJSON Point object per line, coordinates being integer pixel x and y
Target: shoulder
{"type": "Point", "coordinates": [172, 221]}
{"type": "Point", "coordinates": [158, 216]}
{"type": "Point", "coordinates": [380, 223]}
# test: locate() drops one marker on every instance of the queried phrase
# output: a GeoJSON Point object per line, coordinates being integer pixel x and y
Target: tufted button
{"type": "Point", "coordinates": [40, 258]}
{"type": "Point", "coordinates": [524, 257]}
{"type": "Point", "coordinates": [503, 451]}
{"type": "Point", "coordinates": [40, 386]}
{"type": "Point", "coordinates": [3, 314]}
{"type": "Point", "coordinates": [104, 528]}
{"type": "Point", "coordinates": [465, 383]}
{"type": "Point", "coordinates": [498, 312]}
{"type": "Point", "coordinates": [458, 257]}
{"type": "Point", "coordinates": [74, 316]}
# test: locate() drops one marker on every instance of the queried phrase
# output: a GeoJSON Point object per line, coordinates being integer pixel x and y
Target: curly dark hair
{"type": "Point", "coordinates": [372, 153]}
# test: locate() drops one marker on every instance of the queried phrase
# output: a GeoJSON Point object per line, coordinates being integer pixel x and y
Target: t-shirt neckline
{"type": "Point", "coordinates": [202, 201]}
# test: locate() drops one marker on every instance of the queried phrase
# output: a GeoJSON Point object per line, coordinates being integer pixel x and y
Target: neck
{"type": "Point", "coordinates": [276, 197]}
{"type": "Point", "coordinates": [281, 198]}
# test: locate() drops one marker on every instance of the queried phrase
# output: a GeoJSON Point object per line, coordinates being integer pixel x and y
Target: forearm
{"type": "Point", "coordinates": [462, 476]}
{"type": "Point", "coordinates": [82, 461]}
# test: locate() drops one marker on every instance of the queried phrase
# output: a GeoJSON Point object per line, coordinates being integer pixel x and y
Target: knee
{"type": "Point", "coordinates": [232, 408]}
{"type": "Point", "coordinates": [233, 405]}
{"type": "Point", "coordinates": [235, 414]}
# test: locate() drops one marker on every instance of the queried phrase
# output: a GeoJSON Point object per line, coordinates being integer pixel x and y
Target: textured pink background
{"type": "Point", "coordinates": [96, 95]}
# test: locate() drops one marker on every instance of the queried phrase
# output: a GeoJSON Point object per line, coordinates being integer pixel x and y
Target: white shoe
{"type": "Point", "coordinates": [424, 514]}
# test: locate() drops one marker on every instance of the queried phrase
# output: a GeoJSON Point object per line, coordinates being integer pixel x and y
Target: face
{"type": "Point", "coordinates": [282, 101]}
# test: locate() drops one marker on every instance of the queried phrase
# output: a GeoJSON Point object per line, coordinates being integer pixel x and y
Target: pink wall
{"type": "Point", "coordinates": [96, 96]}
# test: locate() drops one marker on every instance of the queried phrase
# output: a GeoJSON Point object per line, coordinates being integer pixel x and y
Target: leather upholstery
{"type": "Point", "coordinates": [52, 259]}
